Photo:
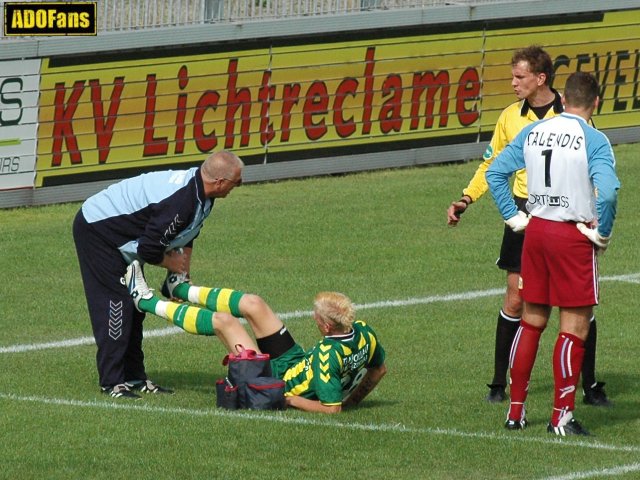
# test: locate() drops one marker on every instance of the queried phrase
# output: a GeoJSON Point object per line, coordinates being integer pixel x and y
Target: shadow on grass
{"type": "Point", "coordinates": [196, 381]}
{"type": "Point", "coordinates": [367, 404]}
{"type": "Point", "coordinates": [205, 382]}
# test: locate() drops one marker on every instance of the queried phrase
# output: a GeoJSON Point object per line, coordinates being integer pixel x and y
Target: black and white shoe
{"type": "Point", "coordinates": [147, 386]}
{"type": "Point", "coordinates": [516, 424]}
{"type": "Point", "coordinates": [567, 427]}
{"type": "Point", "coordinates": [521, 424]}
{"type": "Point", "coordinates": [171, 281]}
{"type": "Point", "coordinates": [120, 391]}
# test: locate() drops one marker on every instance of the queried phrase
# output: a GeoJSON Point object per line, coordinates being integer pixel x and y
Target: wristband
{"type": "Point", "coordinates": [464, 200]}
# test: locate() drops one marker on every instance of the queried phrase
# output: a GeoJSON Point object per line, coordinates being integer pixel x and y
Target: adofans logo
{"type": "Point", "coordinates": [35, 18]}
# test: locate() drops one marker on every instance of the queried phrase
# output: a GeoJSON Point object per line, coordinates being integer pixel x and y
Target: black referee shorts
{"type": "Point", "coordinates": [511, 248]}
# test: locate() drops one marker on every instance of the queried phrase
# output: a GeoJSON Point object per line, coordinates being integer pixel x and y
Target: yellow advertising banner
{"type": "Point", "coordinates": [278, 103]}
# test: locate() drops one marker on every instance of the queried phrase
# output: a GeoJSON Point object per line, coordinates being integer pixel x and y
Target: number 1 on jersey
{"type": "Point", "coordinates": [547, 167]}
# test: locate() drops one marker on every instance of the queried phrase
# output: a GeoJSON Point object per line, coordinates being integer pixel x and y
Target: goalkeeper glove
{"type": "Point", "coordinates": [592, 234]}
{"type": "Point", "coordinates": [518, 222]}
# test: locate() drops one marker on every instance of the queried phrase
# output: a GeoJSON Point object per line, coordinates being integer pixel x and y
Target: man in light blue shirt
{"type": "Point", "coordinates": [153, 218]}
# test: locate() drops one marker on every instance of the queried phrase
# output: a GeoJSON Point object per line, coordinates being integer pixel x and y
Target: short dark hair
{"type": "Point", "coordinates": [581, 90]}
{"type": "Point", "coordinates": [539, 61]}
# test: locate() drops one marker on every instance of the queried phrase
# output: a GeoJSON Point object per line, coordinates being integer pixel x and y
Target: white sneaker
{"type": "Point", "coordinates": [171, 281]}
{"type": "Point", "coordinates": [136, 284]}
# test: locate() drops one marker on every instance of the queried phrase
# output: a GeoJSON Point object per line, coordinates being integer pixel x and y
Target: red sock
{"type": "Point", "coordinates": [521, 360]}
{"type": "Point", "coordinates": [567, 362]}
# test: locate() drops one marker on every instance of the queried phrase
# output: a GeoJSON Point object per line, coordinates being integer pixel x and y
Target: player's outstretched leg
{"type": "Point", "coordinates": [263, 321]}
{"type": "Point", "coordinates": [190, 318]}
{"type": "Point", "coordinates": [177, 286]}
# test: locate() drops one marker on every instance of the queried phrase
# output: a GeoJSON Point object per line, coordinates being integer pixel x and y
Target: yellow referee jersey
{"type": "Point", "coordinates": [512, 119]}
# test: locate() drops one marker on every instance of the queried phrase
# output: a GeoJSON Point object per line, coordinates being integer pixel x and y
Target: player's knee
{"type": "Point", "coordinates": [513, 303]}
{"type": "Point", "coordinates": [252, 305]}
{"type": "Point", "coordinates": [223, 321]}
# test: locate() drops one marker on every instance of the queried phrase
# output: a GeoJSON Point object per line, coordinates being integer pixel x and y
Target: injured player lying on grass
{"type": "Point", "coordinates": [339, 371]}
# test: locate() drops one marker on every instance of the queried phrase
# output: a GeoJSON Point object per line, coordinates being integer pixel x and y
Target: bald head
{"type": "Point", "coordinates": [221, 164]}
{"type": "Point", "coordinates": [221, 173]}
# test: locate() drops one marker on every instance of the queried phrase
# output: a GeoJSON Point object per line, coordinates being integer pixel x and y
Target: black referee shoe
{"type": "Point", "coordinates": [496, 394]}
{"type": "Point", "coordinates": [596, 396]}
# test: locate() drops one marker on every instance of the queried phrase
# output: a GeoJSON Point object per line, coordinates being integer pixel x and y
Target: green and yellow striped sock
{"type": "Point", "coordinates": [215, 299]}
{"type": "Point", "coordinates": [194, 320]}
{"type": "Point", "coordinates": [148, 304]}
{"type": "Point", "coordinates": [182, 291]}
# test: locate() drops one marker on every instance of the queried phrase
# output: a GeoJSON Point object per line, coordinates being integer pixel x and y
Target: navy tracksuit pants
{"type": "Point", "coordinates": [116, 324]}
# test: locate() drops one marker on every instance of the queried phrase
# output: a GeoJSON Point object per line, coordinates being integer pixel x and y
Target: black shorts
{"type": "Point", "coordinates": [511, 248]}
{"type": "Point", "coordinates": [277, 343]}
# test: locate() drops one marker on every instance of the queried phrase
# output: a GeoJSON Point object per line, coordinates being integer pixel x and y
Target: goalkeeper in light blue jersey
{"type": "Point", "coordinates": [572, 200]}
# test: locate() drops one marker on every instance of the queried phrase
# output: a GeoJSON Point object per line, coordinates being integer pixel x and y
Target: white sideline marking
{"type": "Point", "coordinates": [408, 302]}
{"type": "Point", "coordinates": [286, 419]}
{"type": "Point", "coordinates": [163, 332]}
{"type": "Point", "coordinates": [609, 472]}
{"type": "Point", "coordinates": [75, 342]}
{"type": "Point", "coordinates": [630, 278]}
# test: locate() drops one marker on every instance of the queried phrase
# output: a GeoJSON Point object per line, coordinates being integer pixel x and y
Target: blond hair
{"type": "Point", "coordinates": [336, 308]}
{"type": "Point", "coordinates": [222, 164]}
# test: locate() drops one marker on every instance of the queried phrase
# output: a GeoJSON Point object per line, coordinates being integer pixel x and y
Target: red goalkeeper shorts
{"type": "Point", "coordinates": [559, 265]}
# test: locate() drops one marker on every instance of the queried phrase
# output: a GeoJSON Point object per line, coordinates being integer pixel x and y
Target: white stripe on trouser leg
{"type": "Point", "coordinates": [514, 345]}
{"type": "Point", "coordinates": [565, 357]}
{"type": "Point", "coordinates": [596, 282]}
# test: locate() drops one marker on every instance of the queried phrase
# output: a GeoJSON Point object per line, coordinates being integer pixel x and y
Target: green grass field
{"type": "Point", "coordinates": [431, 292]}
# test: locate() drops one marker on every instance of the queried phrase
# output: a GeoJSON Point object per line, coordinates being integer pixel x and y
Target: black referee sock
{"type": "Point", "coordinates": [589, 362]}
{"type": "Point", "coordinates": [505, 332]}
